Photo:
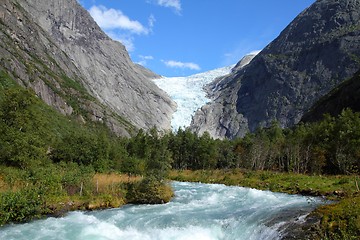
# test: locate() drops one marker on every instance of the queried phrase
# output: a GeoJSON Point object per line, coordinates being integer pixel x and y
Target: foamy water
{"type": "Point", "coordinates": [199, 211]}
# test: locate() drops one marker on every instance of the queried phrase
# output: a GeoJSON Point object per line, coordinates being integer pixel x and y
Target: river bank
{"type": "Point", "coordinates": [198, 211]}
{"type": "Point", "coordinates": [340, 220]}
{"type": "Point", "coordinates": [335, 221]}
{"type": "Point", "coordinates": [22, 200]}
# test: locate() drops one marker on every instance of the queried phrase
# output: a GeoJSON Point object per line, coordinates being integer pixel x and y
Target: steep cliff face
{"type": "Point", "coordinates": [316, 52]}
{"type": "Point", "coordinates": [346, 95]}
{"type": "Point", "coordinates": [56, 48]}
{"type": "Point", "coordinates": [207, 118]}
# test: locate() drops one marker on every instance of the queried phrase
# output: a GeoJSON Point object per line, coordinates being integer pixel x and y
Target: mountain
{"type": "Point", "coordinates": [57, 49]}
{"type": "Point", "coordinates": [205, 119]}
{"type": "Point", "coordinates": [188, 93]}
{"type": "Point", "coordinates": [346, 95]}
{"type": "Point", "coordinates": [318, 50]}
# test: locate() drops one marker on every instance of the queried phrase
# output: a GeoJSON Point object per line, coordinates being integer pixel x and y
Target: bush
{"type": "Point", "coordinates": [20, 206]}
{"type": "Point", "coordinates": [149, 191]}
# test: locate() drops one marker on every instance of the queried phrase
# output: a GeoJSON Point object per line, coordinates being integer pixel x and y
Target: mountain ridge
{"type": "Point", "coordinates": [312, 55]}
{"type": "Point", "coordinates": [57, 49]}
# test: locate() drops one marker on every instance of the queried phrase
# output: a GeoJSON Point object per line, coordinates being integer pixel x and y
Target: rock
{"type": "Point", "coordinates": [206, 119]}
{"type": "Point", "coordinates": [318, 50]}
{"type": "Point", "coordinates": [50, 98]}
{"type": "Point", "coordinates": [56, 48]}
{"type": "Point", "coordinates": [296, 224]}
{"type": "Point", "coordinates": [346, 95]}
{"type": "Point", "coordinates": [306, 228]}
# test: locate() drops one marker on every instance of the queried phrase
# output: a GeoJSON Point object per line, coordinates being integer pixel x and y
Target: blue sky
{"type": "Point", "coordinates": [184, 37]}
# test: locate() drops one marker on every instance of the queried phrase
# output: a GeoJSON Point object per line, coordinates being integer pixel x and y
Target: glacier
{"type": "Point", "coordinates": [188, 93]}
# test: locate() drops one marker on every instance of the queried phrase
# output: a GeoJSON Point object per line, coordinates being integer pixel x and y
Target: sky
{"type": "Point", "coordinates": [185, 37]}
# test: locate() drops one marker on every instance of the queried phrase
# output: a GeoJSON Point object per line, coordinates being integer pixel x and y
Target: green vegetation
{"type": "Point", "coordinates": [346, 94]}
{"type": "Point", "coordinates": [48, 161]}
{"type": "Point", "coordinates": [320, 159]}
{"type": "Point", "coordinates": [341, 220]}
{"type": "Point", "coordinates": [326, 147]}
{"type": "Point", "coordinates": [149, 190]}
{"type": "Point", "coordinates": [50, 164]}
{"type": "Point", "coordinates": [331, 186]}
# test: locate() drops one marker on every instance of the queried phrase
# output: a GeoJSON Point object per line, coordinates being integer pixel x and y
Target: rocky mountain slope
{"type": "Point", "coordinates": [346, 95]}
{"type": "Point", "coordinates": [316, 52]}
{"type": "Point", "coordinates": [57, 49]}
{"type": "Point", "coordinates": [206, 119]}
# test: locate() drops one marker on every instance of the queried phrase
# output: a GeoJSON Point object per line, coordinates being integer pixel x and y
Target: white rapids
{"type": "Point", "coordinates": [198, 211]}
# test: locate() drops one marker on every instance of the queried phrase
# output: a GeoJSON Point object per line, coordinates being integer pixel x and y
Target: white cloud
{"type": "Point", "coordinates": [170, 3]}
{"type": "Point", "coordinates": [151, 21]}
{"type": "Point", "coordinates": [110, 19]}
{"type": "Point", "coordinates": [120, 27]}
{"type": "Point", "coordinates": [144, 59]}
{"type": "Point", "coordinates": [175, 4]}
{"type": "Point", "coordinates": [177, 64]}
{"type": "Point", "coordinates": [126, 40]}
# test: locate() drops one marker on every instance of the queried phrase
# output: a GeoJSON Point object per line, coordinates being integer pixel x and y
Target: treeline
{"type": "Point", "coordinates": [331, 146]}
{"type": "Point", "coordinates": [27, 139]}
{"type": "Point", "coordinates": [30, 136]}
{"type": "Point", "coordinates": [33, 135]}
{"type": "Point", "coordinates": [44, 155]}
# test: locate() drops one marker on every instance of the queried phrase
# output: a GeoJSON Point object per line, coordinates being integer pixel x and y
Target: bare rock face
{"type": "Point", "coordinates": [56, 48]}
{"type": "Point", "coordinates": [346, 95]}
{"type": "Point", "coordinates": [315, 53]}
{"type": "Point", "coordinates": [29, 56]}
{"type": "Point", "coordinates": [108, 72]}
{"type": "Point", "coordinates": [206, 119]}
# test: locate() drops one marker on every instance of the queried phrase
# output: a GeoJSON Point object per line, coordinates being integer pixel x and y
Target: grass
{"type": "Point", "coordinates": [341, 220]}
{"type": "Point", "coordinates": [103, 191]}
{"type": "Point", "coordinates": [106, 183]}
{"type": "Point", "coordinates": [106, 191]}
{"type": "Point", "coordinates": [334, 187]}
{"type": "Point", "coordinates": [106, 179]}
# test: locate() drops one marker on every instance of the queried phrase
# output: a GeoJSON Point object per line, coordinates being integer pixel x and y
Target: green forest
{"type": "Point", "coordinates": [46, 158]}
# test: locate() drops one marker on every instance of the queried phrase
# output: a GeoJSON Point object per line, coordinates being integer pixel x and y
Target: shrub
{"type": "Point", "coordinates": [20, 206]}
{"type": "Point", "coordinates": [149, 191]}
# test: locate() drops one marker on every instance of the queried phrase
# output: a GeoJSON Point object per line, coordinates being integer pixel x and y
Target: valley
{"type": "Point", "coordinates": [94, 145]}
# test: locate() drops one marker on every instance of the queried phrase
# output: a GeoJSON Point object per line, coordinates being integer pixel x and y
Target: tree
{"type": "Point", "coordinates": [153, 150]}
{"type": "Point", "coordinates": [276, 148]}
{"type": "Point", "coordinates": [345, 141]}
{"type": "Point", "coordinates": [83, 148]}
{"type": "Point", "coordinates": [21, 127]}
{"type": "Point", "coordinates": [158, 164]}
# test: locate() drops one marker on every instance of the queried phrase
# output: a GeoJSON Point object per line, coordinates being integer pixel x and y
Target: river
{"type": "Point", "coordinates": [198, 211]}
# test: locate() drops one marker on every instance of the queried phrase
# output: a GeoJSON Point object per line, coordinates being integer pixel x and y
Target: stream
{"type": "Point", "coordinates": [198, 211]}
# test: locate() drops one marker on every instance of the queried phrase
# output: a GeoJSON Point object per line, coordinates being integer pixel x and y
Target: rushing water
{"type": "Point", "coordinates": [199, 212]}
